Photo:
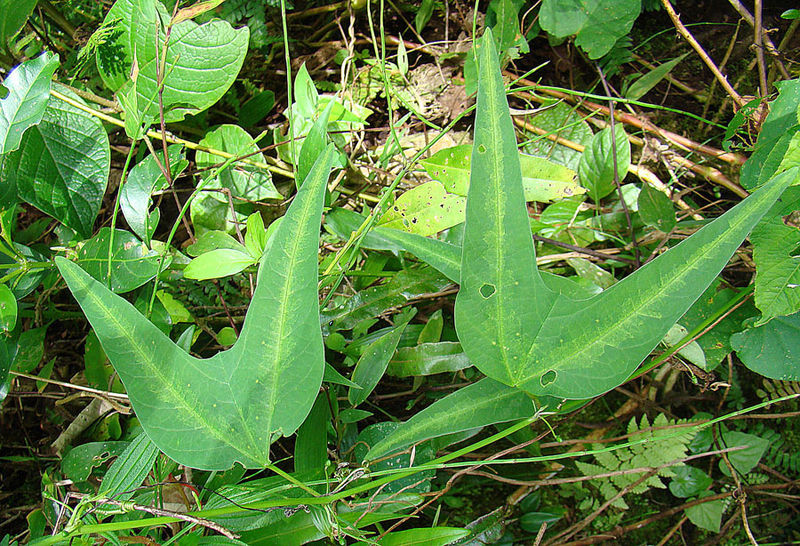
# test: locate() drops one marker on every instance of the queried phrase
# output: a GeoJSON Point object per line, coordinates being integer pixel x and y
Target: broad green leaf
{"type": "Point", "coordinates": [8, 309]}
{"type": "Point", "coordinates": [542, 179]}
{"type": "Point", "coordinates": [775, 241]}
{"type": "Point", "coordinates": [742, 460]}
{"type": "Point", "coordinates": [691, 351]}
{"type": "Point", "coordinates": [486, 402]}
{"type": "Point", "coordinates": [28, 88]}
{"type": "Point", "coordinates": [425, 210]}
{"type": "Point", "coordinates": [432, 331]}
{"type": "Point", "coordinates": [561, 120]}
{"type": "Point", "coordinates": [518, 331]}
{"type": "Point", "coordinates": [241, 179]}
{"type": "Point", "coordinates": [428, 359]}
{"type": "Point", "coordinates": [596, 169]}
{"type": "Point", "coordinates": [772, 349]}
{"type": "Point", "coordinates": [377, 433]}
{"type": "Point", "coordinates": [311, 445]}
{"type": "Point", "coordinates": [533, 521]}
{"type": "Point", "coordinates": [373, 361]}
{"type": "Point", "coordinates": [132, 263]}
{"type": "Point", "coordinates": [202, 61]}
{"type": "Point", "coordinates": [130, 469]}
{"type": "Point", "coordinates": [688, 481]}
{"type": "Point", "coordinates": [145, 178]}
{"type": "Point", "coordinates": [210, 413]}
{"type": "Point", "coordinates": [776, 133]}
{"type": "Point", "coordinates": [707, 515]}
{"type": "Point", "coordinates": [435, 536]}
{"type": "Point", "coordinates": [373, 301]}
{"type": "Point", "coordinates": [592, 272]}
{"type": "Point", "coordinates": [596, 24]}
{"type": "Point", "coordinates": [646, 82]}
{"type": "Point", "coordinates": [30, 350]}
{"type": "Point", "coordinates": [656, 209]}
{"type": "Point", "coordinates": [218, 263]}
{"type": "Point", "coordinates": [305, 93]}
{"type": "Point", "coordinates": [15, 13]}
{"type": "Point", "coordinates": [62, 166]}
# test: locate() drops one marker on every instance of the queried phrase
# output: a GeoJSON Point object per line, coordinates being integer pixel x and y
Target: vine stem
{"type": "Point", "coordinates": [683, 31]}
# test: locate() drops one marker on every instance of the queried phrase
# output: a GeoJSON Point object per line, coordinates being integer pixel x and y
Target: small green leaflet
{"type": "Point", "coordinates": [209, 414]}
{"type": "Point", "coordinates": [515, 329]}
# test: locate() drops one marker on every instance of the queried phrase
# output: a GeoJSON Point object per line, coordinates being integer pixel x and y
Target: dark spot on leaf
{"type": "Point", "coordinates": [487, 290]}
{"type": "Point", "coordinates": [548, 378]}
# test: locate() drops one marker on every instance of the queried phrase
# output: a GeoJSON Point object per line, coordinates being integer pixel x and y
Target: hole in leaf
{"type": "Point", "coordinates": [481, 149]}
{"type": "Point", "coordinates": [548, 378]}
{"type": "Point", "coordinates": [487, 290]}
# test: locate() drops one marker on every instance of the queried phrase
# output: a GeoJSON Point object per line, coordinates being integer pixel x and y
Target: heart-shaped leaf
{"type": "Point", "coordinates": [62, 165]}
{"type": "Point", "coordinates": [210, 413]}
{"type": "Point", "coordinates": [518, 331]}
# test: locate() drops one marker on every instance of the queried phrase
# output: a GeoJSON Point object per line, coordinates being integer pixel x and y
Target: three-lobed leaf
{"type": "Point", "coordinates": [518, 331]}
{"type": "Point", "coordinates": [210, 413]}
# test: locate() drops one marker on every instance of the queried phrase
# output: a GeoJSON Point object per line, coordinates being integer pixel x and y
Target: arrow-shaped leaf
{"type": "Point", "coordinates": [515, 329]}
{"type": "Point", "coordinates": [209, 413]}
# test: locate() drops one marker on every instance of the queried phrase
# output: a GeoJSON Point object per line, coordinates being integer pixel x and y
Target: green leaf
{"type": "Point", "coordinates": [374, 360]}
{"type": "Point", "coordinates": [201, 62]}
{"type": "Point", "coordinates": [28, 92]}
{"type": "Point", "coordinates": [775, 242]}
{"type": "Point", "coordinates": [305, 93]}
{"type": "Point", "coordinates": [145, 178]}
{"type": "Point", "coordinates": [533, 521]}
{"type": "Point", "coordinates": [130, 469]}
{"type": "Point", "coordinates": [503, 17]}
{"type": "Point", "coordinates": [773, 140]}
{"type": "Point", "coordinates": [518, 331]}
{"type": "Point", "coordinates": [15, 13]}
{"type": "Point", "coordinates": [218, 263]}
{"type": "Point", "coordinates": [311, 445]}
{"type": "Point", "coordinates": [542, 179]}
{"type": "Point", "coordinates": [425, 210]}
{"type": "Point", "coordinates": [423, 15]}
{"type": "Point", "coordinates": [132, 263]}
{"type": "Point", "coordinates": [212, 240]}
{"type": "Point", "coordinates": [656, 209]}
{"type": "Point", "coordinates": [772, 349]}
{"type": "Point", "coordinates": [432, 331]}
{"type": "Point", "coordinates": [707, 515]}
{"type": "Point", "coordinates": [596, 24]}
{"type": "Point", "coordinates": [428, 359]}
{"type": "Point", "coordinates": [80, 461]}
{"type": "Point", "coordinates": [241, 179]}
{"type": "Point", "coordinates": [742, 460]}
{"type": "Point", "coordinates": [486, 402]}
{"type": "Point", "coordinates": [8, 309]}
{"type": "Point", "coordinates": [646, 82]}
{"type": "Point", "coordinates": [29, 350]}
{"type": "Point", "coordinates": [596, 169]}
{"type": "Point", "coordinates": [689, 481]}
{"type": "Point", "coordinates": [255, 239]}
{"type": "Point", "coordinates": [62, 166]}
{"type": "Point", "coordinates": [435, 536]}
{"type": "Point", "coordinates": [210, 413]}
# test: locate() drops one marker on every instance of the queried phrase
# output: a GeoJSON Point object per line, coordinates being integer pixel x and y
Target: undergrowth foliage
{"type": "Point", "coordinates": [311, 309]}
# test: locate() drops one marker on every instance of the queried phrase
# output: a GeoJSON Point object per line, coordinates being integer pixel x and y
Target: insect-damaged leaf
{"type": "Point", "coordinates": [209, 413]}
{"type": "Point", "coordinates": [515, 329]}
